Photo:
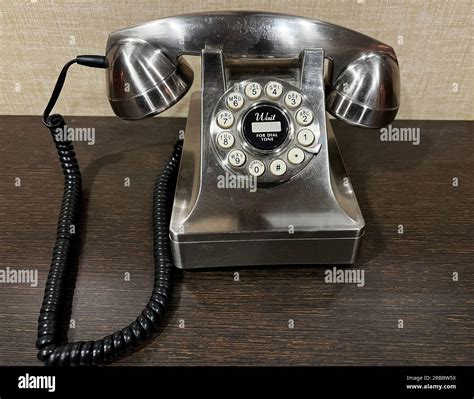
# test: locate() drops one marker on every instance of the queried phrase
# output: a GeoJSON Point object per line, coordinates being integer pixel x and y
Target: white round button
{"type": "Point", "coordinates": [305, 137]}
{"type": "Point", "coordinates": [274, 90]}
{"type": "Point", "coordinates": [225, 140]}
{"type": "Point", "coordinates": [304, 117]}
{"type": "Point", "coordinates": [278, 167]}
{"type": "Point", "coordinates": [253, 90]}
{"type": "Point", "coordinates": [256, 168]}
{"type": "Point", "coordinates": [236, 158]}
{"type": "Point", "coordinates": [235, 101]}
{"type": "Point", "coordinates": [225, 119]}
{"type": "Point", "coordinates": [293, 99]}
{"type": "Point", "coordinates": [296, 156]}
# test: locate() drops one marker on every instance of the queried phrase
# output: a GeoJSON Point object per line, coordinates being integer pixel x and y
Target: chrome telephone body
{"type": "Point", "coordinates": [267, 82]}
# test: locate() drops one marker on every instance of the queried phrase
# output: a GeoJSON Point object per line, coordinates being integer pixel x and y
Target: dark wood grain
{"type": "Point", "coordinates": [408, 276]}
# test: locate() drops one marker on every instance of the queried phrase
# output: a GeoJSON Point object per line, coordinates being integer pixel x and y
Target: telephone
{"type": "Point", "coordinates": [259, 179]}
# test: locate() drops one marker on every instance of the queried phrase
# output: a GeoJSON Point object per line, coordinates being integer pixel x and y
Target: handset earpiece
{"type": "Point", "coordinates": [142, 81]}
{"type": "Point", "coordinates": [367, 91]}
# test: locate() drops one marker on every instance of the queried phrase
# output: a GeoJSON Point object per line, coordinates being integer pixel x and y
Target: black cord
{"type": "Point", "coordinates": [93, 61]}
{"type": "Point", "coordinates": [51, 351]}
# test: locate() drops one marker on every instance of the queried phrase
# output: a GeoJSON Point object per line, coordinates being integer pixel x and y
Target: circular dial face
{"type": "Point", "coordinates": [265, 126]}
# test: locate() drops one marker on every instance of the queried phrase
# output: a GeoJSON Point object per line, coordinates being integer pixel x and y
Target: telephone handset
{"type": "Point", "coordinates": [364, 89]}
{"type": "Point", "coordinates": [261, 180]}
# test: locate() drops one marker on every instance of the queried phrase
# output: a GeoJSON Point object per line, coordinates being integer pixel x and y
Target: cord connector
{"type": "Point", "coordinates": [93, 61]}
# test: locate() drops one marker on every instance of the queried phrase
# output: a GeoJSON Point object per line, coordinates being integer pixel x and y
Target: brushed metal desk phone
{"type": "Point", "coordinates": [260, 119]}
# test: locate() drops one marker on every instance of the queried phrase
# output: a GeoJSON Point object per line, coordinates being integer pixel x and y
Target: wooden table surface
{"type": "Point", "coordinates": [409, 277]}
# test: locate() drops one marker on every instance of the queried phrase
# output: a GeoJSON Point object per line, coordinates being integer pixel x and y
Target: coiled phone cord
{"type": "Point", "coordinates": [85, 353]}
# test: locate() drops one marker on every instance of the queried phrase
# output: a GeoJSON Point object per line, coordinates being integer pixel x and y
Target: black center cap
{"type": "Point", "coordinates": [265, 127]}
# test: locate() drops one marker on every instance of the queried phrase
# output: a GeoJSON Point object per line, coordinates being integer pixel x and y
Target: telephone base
{"type": "Point", "coordinates": [312, 219]}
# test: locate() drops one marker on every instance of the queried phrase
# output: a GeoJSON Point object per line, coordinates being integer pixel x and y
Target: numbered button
{"type": "Point", "coordinates": [236, 158]}
{"type": "Point", "coordinates": [235, 101]}
{"type": "Point", "coordinates": [256, 168]}
{"type": "Point", "coordinates": [304, 117]}
{"type": "Point", "coordinates": [296, 156]}
{"type": "Point", "coordinates": [253, 90]}
{"type": "Point", "coordinates": [278, 167]}
{"type": "Point", "coordinates": [225, 140]}
{"type": "Point", "coordinates": [274, 90]}
{"type": "Point", "coordinates": [293, 99]}
{"type": "Point", "coordinates": [305, 137]}
{"type": "Point", "coordinates": [225, 119]}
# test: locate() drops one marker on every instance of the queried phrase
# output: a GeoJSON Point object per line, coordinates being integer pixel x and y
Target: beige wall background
{"type": "Point", "coordinates": [433, 41]}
